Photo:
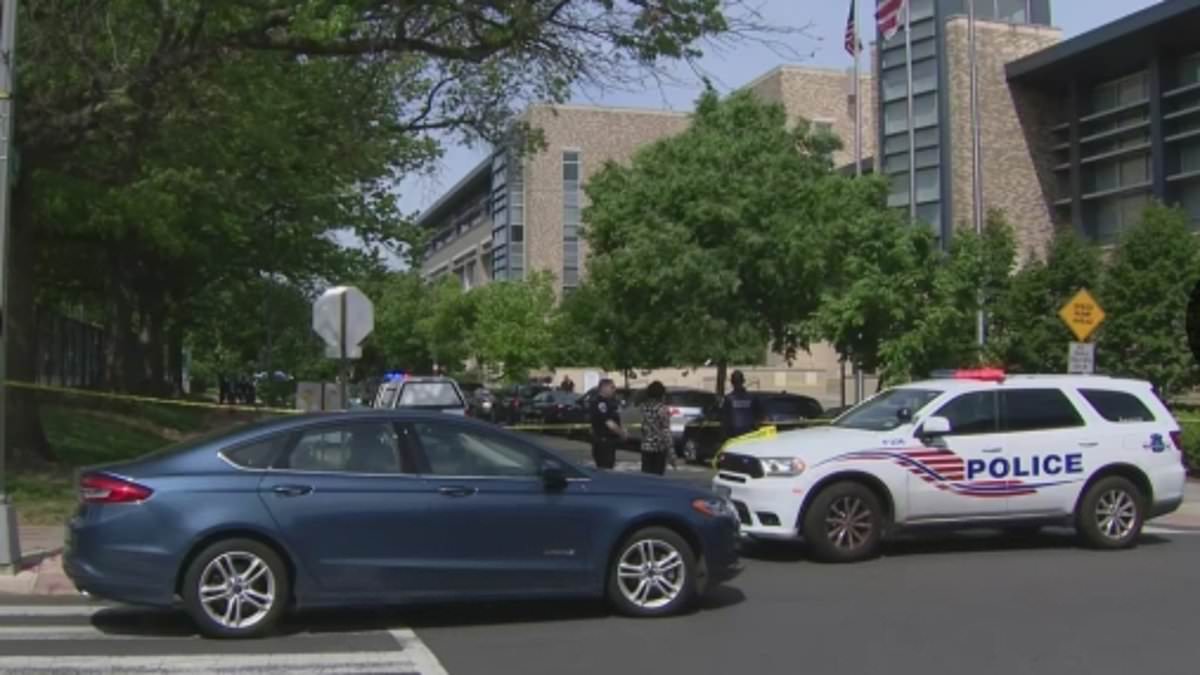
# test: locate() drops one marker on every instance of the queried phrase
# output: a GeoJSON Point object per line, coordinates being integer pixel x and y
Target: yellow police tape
{"type": "Point", "coordinates": [756, 435]}
{"type": "Point", "coordinates": [148, 399]}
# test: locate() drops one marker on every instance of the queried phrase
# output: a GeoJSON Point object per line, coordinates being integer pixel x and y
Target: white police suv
{"type": "Point", "coordinates": [975, 448]}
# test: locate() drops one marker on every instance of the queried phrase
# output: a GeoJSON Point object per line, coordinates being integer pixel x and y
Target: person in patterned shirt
{"type": "Point", "coordinates": [657, 443]}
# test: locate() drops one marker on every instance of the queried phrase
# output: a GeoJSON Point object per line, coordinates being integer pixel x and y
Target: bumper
{"type": "Point", "coordinates": [721, 558]}
{"type": "Point", "coordinates": [1165, 506]}
{"type": "Point", "coordinates": [115, 570]}
{"type": "Point", "coordinates": [768, 508]}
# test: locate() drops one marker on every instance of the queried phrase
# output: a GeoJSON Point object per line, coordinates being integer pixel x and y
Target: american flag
{"type": "Point", "coordinates": [852, 43]}
{"type": "Point", "coordinates": [887, 15]}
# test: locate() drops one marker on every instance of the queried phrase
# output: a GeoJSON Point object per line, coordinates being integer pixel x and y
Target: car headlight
{"type": "Point", "coordinates": [713, 507]}
{"type": "Point", "coordinates": [782, 466]}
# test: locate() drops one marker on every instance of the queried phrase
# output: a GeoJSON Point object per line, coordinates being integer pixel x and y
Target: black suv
{"type": "Point", "coordinates": [702, 437]}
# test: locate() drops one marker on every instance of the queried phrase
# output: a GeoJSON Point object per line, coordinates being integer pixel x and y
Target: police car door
{"type": "Point", "coordinates": [947, 478]}
{"type": "Point", "coordinates": [1050, 448]}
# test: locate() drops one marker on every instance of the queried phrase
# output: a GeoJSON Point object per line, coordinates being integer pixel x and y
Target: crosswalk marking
{"type": "Point", "coordinates": [94, 638]}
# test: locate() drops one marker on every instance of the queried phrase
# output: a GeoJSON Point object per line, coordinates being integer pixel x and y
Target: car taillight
{"type": "Point", "coordinates": [102, 489]}
{"type": "Point", "coordinates": [1177, 441]}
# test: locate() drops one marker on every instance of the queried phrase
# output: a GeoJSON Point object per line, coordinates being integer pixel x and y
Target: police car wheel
{"type": "Point", "coordinates": [844, 523]}
{"type": "Point", "coordinates": [1111, 513]}
{"type": "Point", "coordinates": [654, 573]}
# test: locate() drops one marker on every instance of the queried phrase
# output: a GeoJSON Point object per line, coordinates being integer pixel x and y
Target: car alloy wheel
{"type": "Point", "coordinates": [651, 574]}
{"type": "Point", "coordinates": [237, 590]}
{"type": "Point", "coordinates": [848, 523]}
{"type": "Point", "coordinates": [1110, 514]}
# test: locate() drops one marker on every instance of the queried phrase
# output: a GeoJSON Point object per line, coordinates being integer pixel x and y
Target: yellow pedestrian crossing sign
{"type": "Point", "coordinates": [1082, 314]}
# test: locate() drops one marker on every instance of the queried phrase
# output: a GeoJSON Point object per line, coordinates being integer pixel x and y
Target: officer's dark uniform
{"type": "Point", "coordinates": [604, 441]}
{"type": "Point", "coordinates": [740, 413]}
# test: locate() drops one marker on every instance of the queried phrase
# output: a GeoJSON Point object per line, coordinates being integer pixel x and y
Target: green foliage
{"type": "Point", "coordinates": [1025, 333]}
{"type": "Point", "coordinates": [1145, 296]}
{"type": "Point", "coordinates": [943, 332]}
{"type": "Point", "coordinates": [877, 273]}
{"type": "Point", "coordinates": [703, 248]}
{"type": "Point", "coordinates": [513, 330]}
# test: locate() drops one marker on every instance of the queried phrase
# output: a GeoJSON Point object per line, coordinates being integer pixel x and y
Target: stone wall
{"type": "Point", "coordinates": [1017, 163]}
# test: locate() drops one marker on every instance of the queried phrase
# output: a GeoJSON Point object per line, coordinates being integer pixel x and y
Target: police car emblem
{"type": "Point", "coordinates": [1156, 443]}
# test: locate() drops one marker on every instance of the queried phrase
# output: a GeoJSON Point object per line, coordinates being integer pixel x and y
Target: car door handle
{"type": "Point", "coordinates": [991, 451]}
{"type": "Point", "coordinates": [457, 491]}
{"type": "Point", "coordinates": [292, 490]}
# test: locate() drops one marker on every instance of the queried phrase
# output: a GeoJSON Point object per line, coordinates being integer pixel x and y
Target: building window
{"type": "Point", "coordinates": [571, 205]}
{"type": "Point", "coordinates": [921, 9]}
{"type": "Point", "coordinates": [1189, 199]}
{"type": "Point", "coordinates": [1118, 93]}
{"type": "Point", "coordinates": [898, 192]}
{"type": "Point", "coordinates": [1189, 70]}
{"type": "Point", "coordinates": [1012, 11]}
{"type": "Point", "coordinates": [1189, 157]}
{"type": "Point", "coordinates": [897, 56]}
{"type": "Point", "coordinates": [1117, 173]}
{"type": "Point", "coordinates": [921, 30]}
{"type": "Point", "coordinates": [925, 110]}
{"type": "Point", "coordinates": [508, 217]}
{"type": "Point", "coordinates": [928, 185]}
{"type": "Point", "coordinates": [1113, 216]}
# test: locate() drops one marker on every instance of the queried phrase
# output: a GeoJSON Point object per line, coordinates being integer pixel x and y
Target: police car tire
{"type": "Point", "coordinates": [817, 536]}
{"type": "Point", "coordinates": [1088, 525]}
{"type": "Point", "coordinates": [691, 569]}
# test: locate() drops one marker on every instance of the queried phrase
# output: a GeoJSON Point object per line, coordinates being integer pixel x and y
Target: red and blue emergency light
{"type": "Point", "coordinates": [980, 374]}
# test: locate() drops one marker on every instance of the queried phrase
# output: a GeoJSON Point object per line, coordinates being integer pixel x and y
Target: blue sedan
{"type": "Point", "coordinates": [386, 507]}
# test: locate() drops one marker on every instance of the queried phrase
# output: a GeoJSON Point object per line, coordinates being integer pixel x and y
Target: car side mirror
{"type": "Point", "coordinates": [553, 477]}
{"type": "Point", "coordinates": [934, 427]}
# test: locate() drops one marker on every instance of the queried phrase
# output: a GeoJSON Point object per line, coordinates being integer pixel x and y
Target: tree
{"type": "Point", "coordinates": [975, 273]}
{"type": "Point", "coordinates": [1145, 296]}
{"type": "Point", "coordinates": [171, 147]}
{"type": "Point", "coordinates": [876, 266]}
{"type": "Point", "coordinates": [704, 245]}
{"type": "Point", "coordinates": [513, 332]}
{"type": "Point", "coordinates": [1025, 333]}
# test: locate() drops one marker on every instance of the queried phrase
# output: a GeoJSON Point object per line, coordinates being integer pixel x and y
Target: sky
{"type": "Point", "coordinates": [820, 45]}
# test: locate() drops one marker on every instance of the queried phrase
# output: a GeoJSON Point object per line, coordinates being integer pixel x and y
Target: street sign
{"type": "Point", "coordinates": [1081, 358]}
{"type": "Point", "coordinates": [1082, 314]}
{"type": "Point", "coordinates": [343, 317]}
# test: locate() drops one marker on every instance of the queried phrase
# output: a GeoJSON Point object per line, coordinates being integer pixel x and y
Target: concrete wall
{"type": "Point", "coordinates": [1015, 123]}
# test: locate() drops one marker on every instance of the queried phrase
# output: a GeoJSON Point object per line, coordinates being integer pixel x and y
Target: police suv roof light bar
{"type": "Point", "coordinates": [980, 374]}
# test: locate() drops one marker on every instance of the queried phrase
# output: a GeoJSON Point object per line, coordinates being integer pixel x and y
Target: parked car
{"type": "Point", "coordinates": [385, 507]}
{"type": "Point", "coordinates": [703, 438]}
{"type": "Point", "coordinates": [422, 393]}
{"type": "Point", "coordinates": [514, 403]}
{"type": "Point", "coordinates": [557, 407]}
{"type": "Point", "coordinates": [684, 403]}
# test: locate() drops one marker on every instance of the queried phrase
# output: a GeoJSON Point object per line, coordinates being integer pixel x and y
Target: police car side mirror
{"type": "Point", "coordinates": [934, 427]}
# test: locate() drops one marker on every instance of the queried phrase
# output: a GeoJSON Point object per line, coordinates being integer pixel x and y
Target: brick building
{"type": "Point", "coordinates": [1080, 132]}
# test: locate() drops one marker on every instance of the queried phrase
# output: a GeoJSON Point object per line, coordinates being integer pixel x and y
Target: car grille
{"type": "Point", "coordinates": [749, 466]}
{"type": "Point", "coordinates": [743, 513]}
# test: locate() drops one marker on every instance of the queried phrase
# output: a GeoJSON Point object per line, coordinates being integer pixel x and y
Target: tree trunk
{"type": "Point", "coordinates": [175, 356]}
{"type": "Point", "coordinates": [25, 437]}
{"type": "Point", "coordinates": [156, 350]}
{"type": "Point", "coordinates": [722, 367]}
{"type": "Point", "coordinates": [126, 350]}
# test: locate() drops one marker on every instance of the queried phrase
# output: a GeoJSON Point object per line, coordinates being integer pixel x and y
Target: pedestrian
{"type": "Point", "coordinates": [568, 385]}
{"type": "Point", "coordinates": [657, 442]}
{"type": "Point", "coordinates": [741, 412]}
{"type": "Point", "coordinates": [607, 431]}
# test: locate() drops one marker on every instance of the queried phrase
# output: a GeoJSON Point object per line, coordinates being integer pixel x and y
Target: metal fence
{"type": "Point", "coordinates": [70, 353]}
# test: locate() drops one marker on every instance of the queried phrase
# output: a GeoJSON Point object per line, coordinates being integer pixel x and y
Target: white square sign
{"type": "Point", "coordinates": [1081, 358]}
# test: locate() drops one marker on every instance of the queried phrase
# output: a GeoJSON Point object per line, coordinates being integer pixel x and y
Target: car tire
{"type": "Point", "coordinates": [1111, 514]}
{"type": "Point", "coordinates": [229, 577]}
{"type": "Point", "coordinates": [658, 564]}
{"type": "Point", "coordinates": [844, 523]}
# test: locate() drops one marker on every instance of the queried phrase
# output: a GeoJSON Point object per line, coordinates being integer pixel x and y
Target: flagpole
{"type": "Point", "coordinates": [912, 122]}
{"type": "Point", "coordinates": [976, 163]}
{"type": "Point", "coordinates": [857, 94]}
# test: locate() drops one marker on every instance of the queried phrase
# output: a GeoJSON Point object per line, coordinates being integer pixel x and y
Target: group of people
{"type": "Point", "coordinates": [236, 390]}
{"type": "Point", "coordinates": [740, 414]}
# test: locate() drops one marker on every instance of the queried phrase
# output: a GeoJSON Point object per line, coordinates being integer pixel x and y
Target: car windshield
{"type": "Point", "coordinates": [429, 395]}
{"type": "Point", "coordinates": [881, 412]}
{"type": "Point", "coordinates": [787, 407]}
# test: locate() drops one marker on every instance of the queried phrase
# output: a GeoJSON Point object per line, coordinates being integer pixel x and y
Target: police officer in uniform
{"type": "Point", "coordinates": [741, 413]}
{"type": "Point", "coordinates": [607, 431]}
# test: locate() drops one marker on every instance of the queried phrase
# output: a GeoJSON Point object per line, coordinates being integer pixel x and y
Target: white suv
{"type": "Point", "coordinates": [976, 448]}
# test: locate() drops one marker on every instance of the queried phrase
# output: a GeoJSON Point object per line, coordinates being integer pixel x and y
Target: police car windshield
{"type": "Point", "coordinates": [881, 413]}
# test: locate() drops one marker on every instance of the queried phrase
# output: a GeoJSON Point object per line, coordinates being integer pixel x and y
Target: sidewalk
{"type": "Point", "coordinates": [42, 573]}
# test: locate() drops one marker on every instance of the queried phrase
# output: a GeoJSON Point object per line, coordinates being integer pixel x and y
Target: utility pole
{"type": "Point", "coordinates": [10, 547]}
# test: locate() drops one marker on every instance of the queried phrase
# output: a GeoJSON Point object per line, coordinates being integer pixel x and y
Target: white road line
{"type": "Point", "coordinates": [1159, 529]}
{"type": "Point", "coordinates": [52, 610]}
{"type": "Point", "coordinates": [418, 653]}
{"type": "Point", "coordinates": [329, 663]}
